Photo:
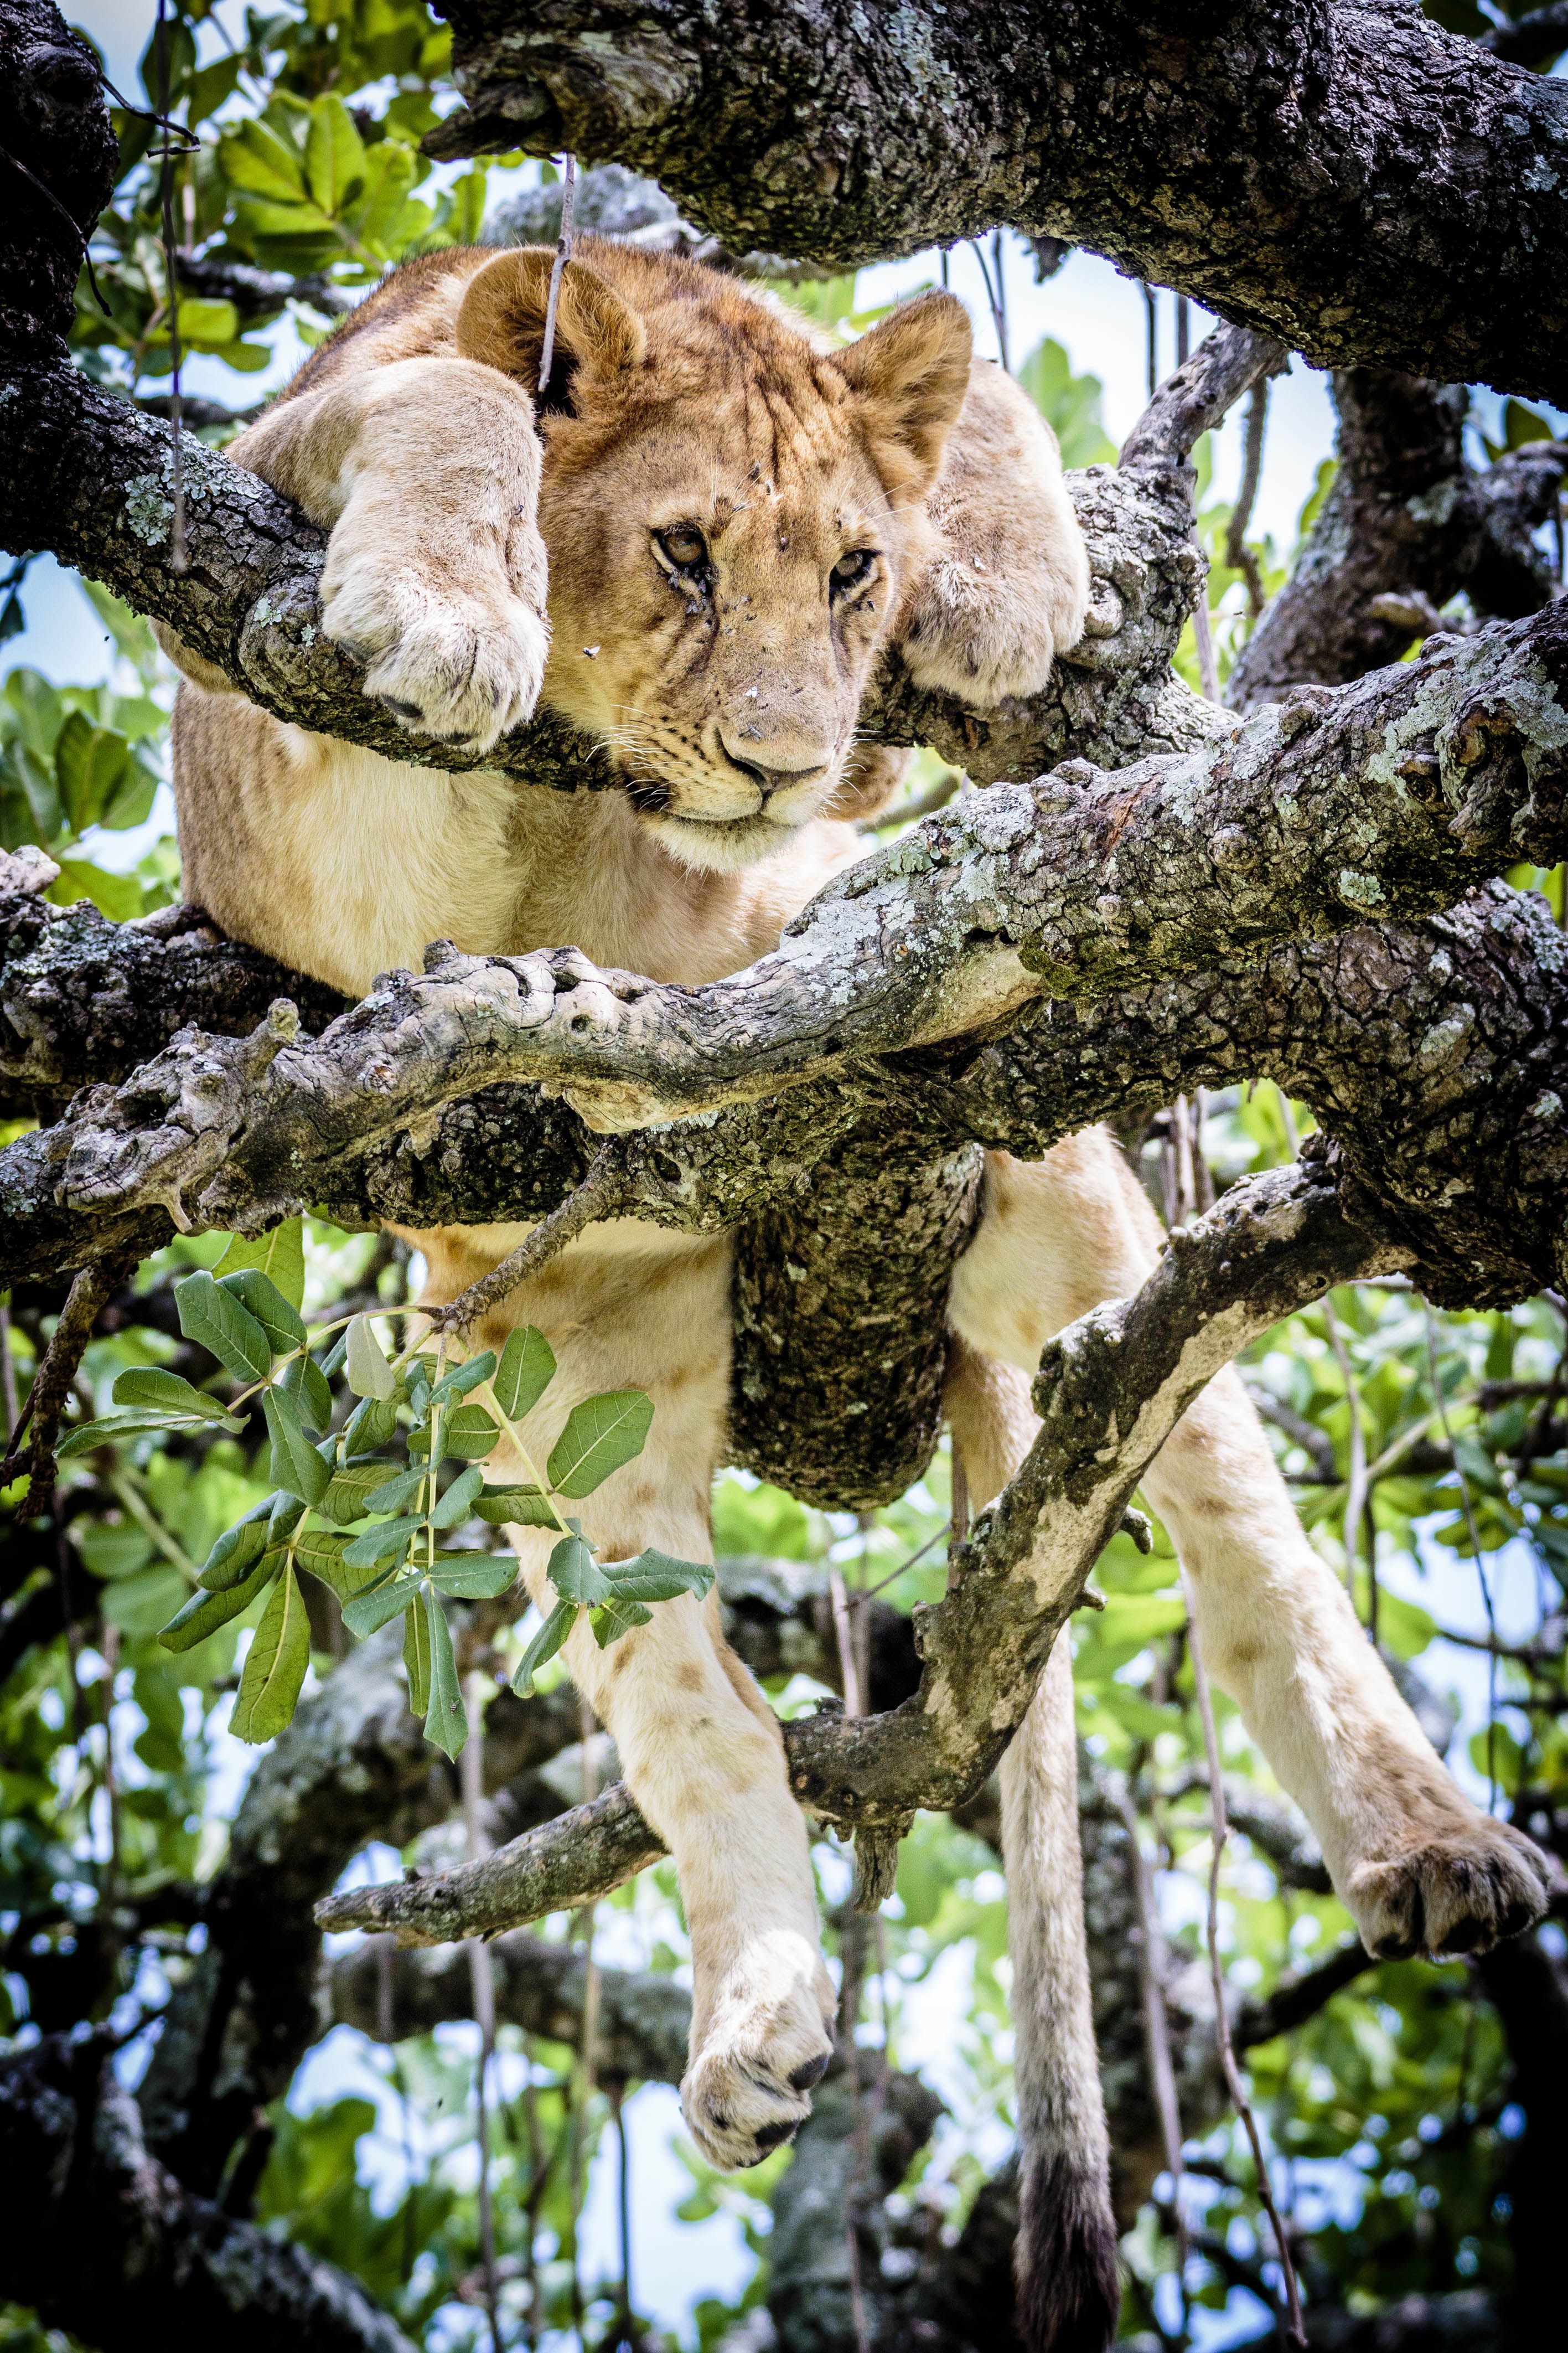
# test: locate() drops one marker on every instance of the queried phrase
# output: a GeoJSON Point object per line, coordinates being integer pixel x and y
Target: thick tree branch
{"type": "Point", "coordinates": [102, 2241]}
{"type": "Point", "coordinates": [1110, 1389]}
{"type": "Point", "coordinates": [1233, 163]}
{"type": "Point", "coordinates": [1386, 796]}
{"type": "Point", "coordinates": [1407, 523]}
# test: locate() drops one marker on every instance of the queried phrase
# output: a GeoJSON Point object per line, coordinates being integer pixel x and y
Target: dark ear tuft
{"type": "Point", "coordinates": [911, 373]}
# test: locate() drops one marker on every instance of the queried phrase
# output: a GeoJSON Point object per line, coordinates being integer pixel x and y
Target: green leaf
{"type": "Point", "coordinates": [473, 1576]}
{"type": "Point", "coordinates": [322, 1553]}
{"type": "Point", "coordinates": [235, 1554]}
{"type": "Point", "coordinates": [210, 86]}
{"type": "Point", "coordinates": [157, 1391]}
{"type": "Point", "coordinates": [287, 1511]}
{"type": "Point", "coordinates": [395, 1494]}
{"type": "Point", "coordinates": [369, 1425]}
{"type": "Point", "coordinates": [522, 1507]}
{"type": "Point", "coordinates": [457, 1503]}
{"type": "Point", "coordinates": [416, 1656]}
{"type": "Point", "coordinates": [657, 1576]}
{"type": "Point", "coordinates": [213, 323]}
{"type": "Point", "coordinates": [278, 1316]}
{"type": "Point", "coordinates": [334, 155]}
{"type": "Point", "coordinates": [279, 1255]}
{"type": "Point", "coordinates": [544, 1645]}
{"type": "Point", "coordinates": [305, 1386]}
{"type": "Point", "coordinates": [464, 1377]}
{"type": "Point", "coordinates": [89, 764]}
{"type": "Point", "coordinates": [601, 1433]}
{"type": "Point", "coordinates": [469, 1432]}
{"type": "Point", "coordinates": [296, 1466]}
{"type": "Point", "coordinates": [369, 1609]}
{"type": "Point", "coordinates": [369, 1374]}
{"type": "Point", "coordinates": [117, 896]}
{"type": "Point", "coordinates": [254, 158]}
{"type": "Point", "coordinates": [348, 1496]}
{"type": "Point", "coordinates": [110, 1430]}
{"type": "Point", "coordinates": [216, 1320]}
{"type": "Point", "coordinates": [526, 1369]}
{"type": "Point", "coordinates": [576, 1575]}
{"type": "Point", "coordinates": [275, 1665]}
{"type": "Point", "coordinates": [447, 1720]}
{"type": "Point", "coordinates": [615, 1618]}
{"type": "Point", "coordinates": [204, 1613]}
{"type": "Point", "coordinates": [382, 1542]}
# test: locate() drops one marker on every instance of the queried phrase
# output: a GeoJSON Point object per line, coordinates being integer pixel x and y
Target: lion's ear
{"type": "Point", "coordinates": [911, 373]}
{"type": "Point", "coordinates": [502, 320]}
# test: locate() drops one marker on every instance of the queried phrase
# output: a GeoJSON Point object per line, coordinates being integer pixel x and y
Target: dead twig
{"type": "Point", "coordinates": [1292, 2330]}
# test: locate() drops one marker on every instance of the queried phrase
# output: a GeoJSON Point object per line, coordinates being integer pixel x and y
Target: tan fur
{"type": "Point", "coordinates": [680, 403]}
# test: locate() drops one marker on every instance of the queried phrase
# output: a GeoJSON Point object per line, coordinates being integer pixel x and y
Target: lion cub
{"type": "Point", "coordinates": [695, 542]}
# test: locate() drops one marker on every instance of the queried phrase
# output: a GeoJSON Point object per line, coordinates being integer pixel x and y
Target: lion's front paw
{"type": "Point", "coordinates": [983, 634]}
{"type": "Point", "coordinates": [1459, 1892]}
{"type": "Point", "coordinates": [766, 2040]}
{"type": "Point", "coordinates": [462, 666]}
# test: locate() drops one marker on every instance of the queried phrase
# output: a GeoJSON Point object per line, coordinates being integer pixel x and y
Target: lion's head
{"type": "Point", "coordinates": [733, 517]}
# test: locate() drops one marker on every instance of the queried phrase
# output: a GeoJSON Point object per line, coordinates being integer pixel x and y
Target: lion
{"type": "Point", "coordinates": [695, 542]}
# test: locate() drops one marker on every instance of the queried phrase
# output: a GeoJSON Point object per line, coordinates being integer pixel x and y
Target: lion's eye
{"type": "Point", "coordinates": [851, 569]}
{"type": "Point", "coordinates": [683, 546]}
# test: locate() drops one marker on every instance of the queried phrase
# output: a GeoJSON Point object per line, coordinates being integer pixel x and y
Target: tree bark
{"type": "Point", "coordinates": [1406, 522]}
{"type": "Point", "coordinates": [1341, 173]}
{"type": "Point", "coordinates": [103, 2240]}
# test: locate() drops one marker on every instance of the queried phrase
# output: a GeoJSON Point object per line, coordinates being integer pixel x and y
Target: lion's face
{"type": "Point", "coordinates": [732, 519]}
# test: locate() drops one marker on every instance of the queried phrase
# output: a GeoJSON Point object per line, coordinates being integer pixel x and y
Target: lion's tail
{"type": "Point", "coordinates": [1065, 2260]}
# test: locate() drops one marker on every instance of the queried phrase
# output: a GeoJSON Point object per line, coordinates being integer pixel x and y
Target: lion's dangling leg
{"type": "Point", "coordinates": [701, 1753]}
{"type": "Point", "coordinates": [1418, 1866]}
{"type": "Point", "coordinates": [700, 1747]}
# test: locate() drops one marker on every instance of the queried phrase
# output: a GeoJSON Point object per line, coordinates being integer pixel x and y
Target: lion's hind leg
{"type": "Point", "coordinates": [1417, 1866]}
{"type": "Point", "coordinates": [1007, 587]}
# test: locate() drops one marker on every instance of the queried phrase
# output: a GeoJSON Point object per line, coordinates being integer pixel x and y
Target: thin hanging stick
{"type": "Point", "coordinates": [1152, 307]}
{"type": "Point", "coordinates": [1469, 1512]}
{"type": "Point", "coordinates": [1291, 2329]}
{"type": "Point", "coordinates": [1237, 554]}
{"type": "Point", "coordinates": [177, 559]}
{"type": "Point", "coordinates": [1157, 2037]}
{"type": "Point", "coordinates": [482, 1978]}
{"type": "Point", "coordinates": [994, 300]}
{"type": "Point", "coordinates": [584, 1926]}
{"type": "Point", "coordinates": [563, 255]}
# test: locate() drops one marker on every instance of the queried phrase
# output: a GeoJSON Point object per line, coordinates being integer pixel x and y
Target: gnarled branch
{"type": "Point", "coordinates": [1231, 160]}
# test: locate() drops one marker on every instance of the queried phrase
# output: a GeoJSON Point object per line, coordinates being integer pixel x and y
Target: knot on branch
{"type": "Point", "coordinates": [172, 1126]}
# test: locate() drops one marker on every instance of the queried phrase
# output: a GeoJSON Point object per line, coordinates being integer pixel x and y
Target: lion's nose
{"type": "Point", "coordinates": [774, 774]}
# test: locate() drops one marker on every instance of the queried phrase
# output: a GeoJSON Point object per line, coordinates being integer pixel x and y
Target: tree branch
{"type": "Point", "coordinates": [102, 2241]}
{"type": "Point", "coordinates": [1234, 169]}
{"type": "Point", "coordinates": [1407, 523]}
